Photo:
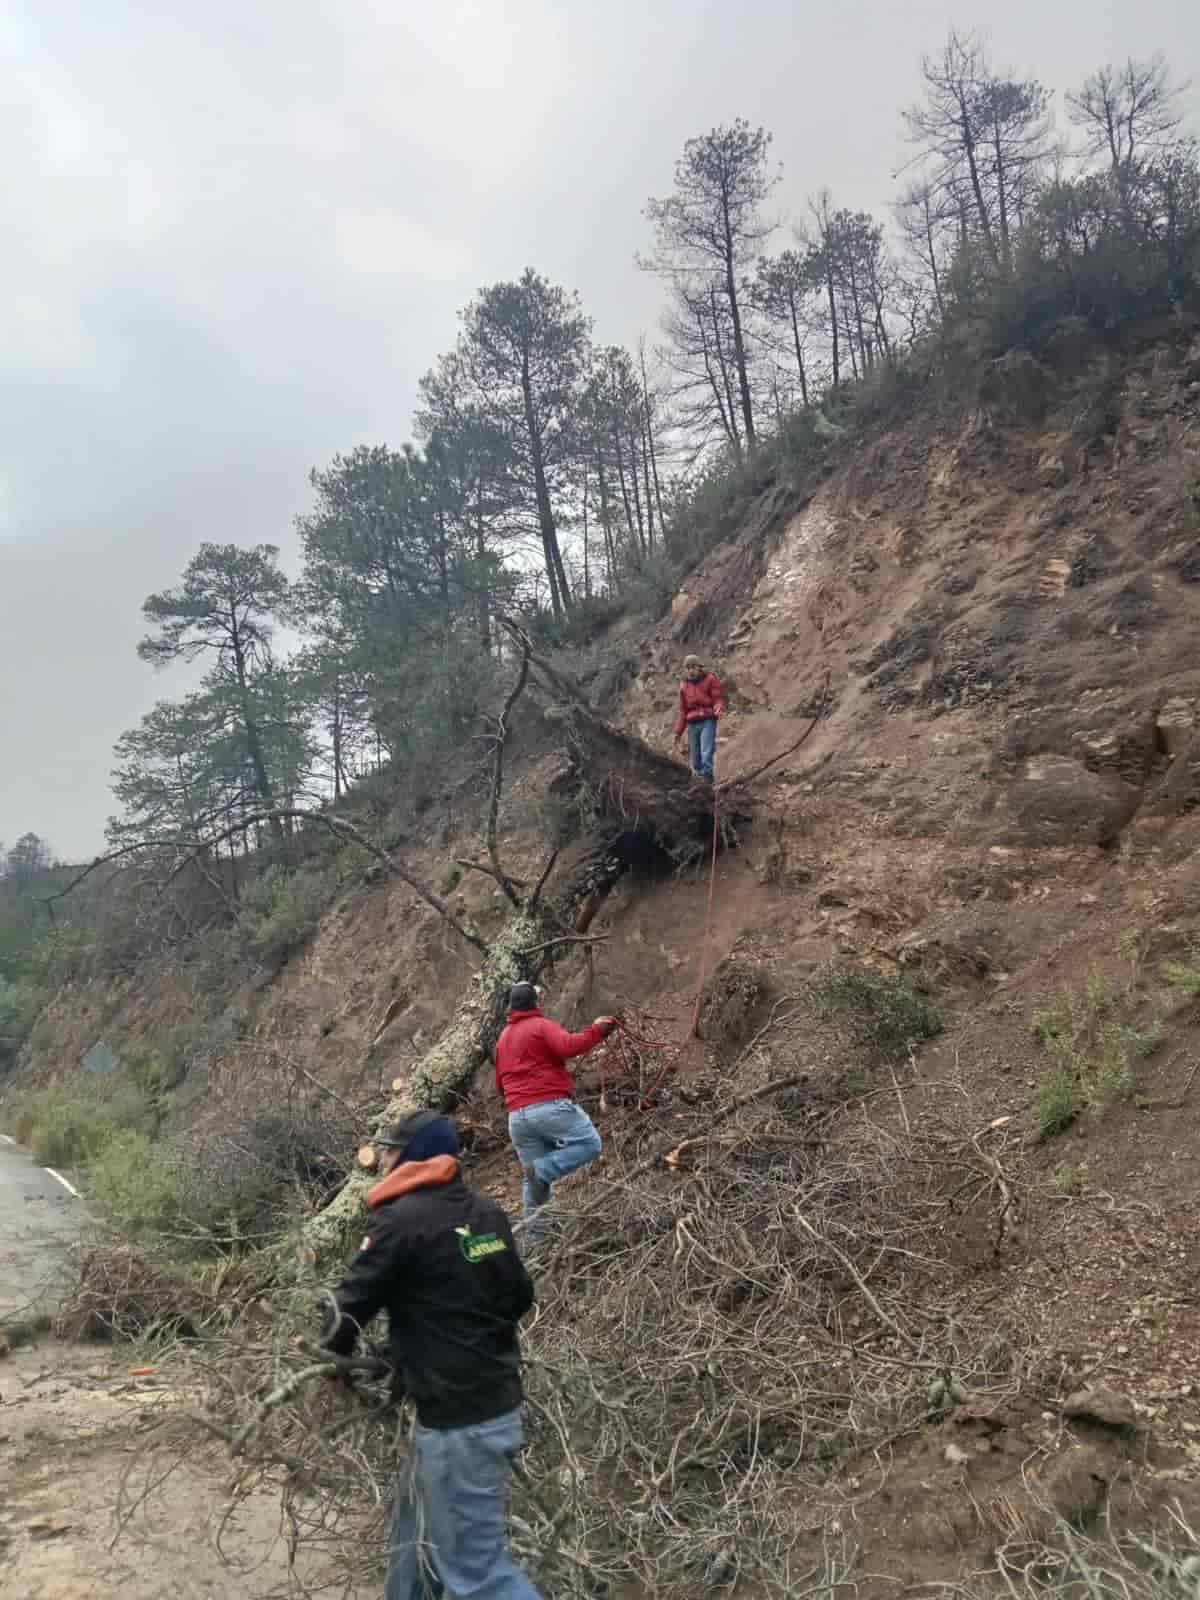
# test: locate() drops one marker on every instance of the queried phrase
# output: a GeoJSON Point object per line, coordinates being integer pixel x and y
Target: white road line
{"type": "Point", "coordinates": [68, 1187]}
{"type": "Point", "coordinates": [4, 1139]}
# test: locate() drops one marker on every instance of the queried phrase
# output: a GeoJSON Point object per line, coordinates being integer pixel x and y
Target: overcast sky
{"type": "Point", "coordinates": [235, 235]}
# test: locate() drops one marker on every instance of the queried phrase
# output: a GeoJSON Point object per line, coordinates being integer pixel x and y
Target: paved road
{"type": "Point", "coordinates": [39, 1221]}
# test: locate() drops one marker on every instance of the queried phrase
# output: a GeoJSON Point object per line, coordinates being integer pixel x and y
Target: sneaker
{"type": "Point", "coordinates": [539, 1189]}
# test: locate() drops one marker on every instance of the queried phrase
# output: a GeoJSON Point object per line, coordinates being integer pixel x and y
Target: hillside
{"type": "Point", "coordinates": [962, 920]}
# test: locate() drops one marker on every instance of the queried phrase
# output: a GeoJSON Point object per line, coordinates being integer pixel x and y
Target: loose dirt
{"type": "Point", "coordinates": [108, 1490]}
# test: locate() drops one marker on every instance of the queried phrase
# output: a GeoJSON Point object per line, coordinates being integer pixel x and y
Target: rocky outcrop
{"type": "Point", "coordinates": [1055, 800]}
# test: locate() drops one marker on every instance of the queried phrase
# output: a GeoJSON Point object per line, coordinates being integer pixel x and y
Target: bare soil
{"type": "Point", "coordinates": [108, 1490]}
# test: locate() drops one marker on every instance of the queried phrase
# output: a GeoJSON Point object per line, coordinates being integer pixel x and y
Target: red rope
{"type": "Point", "coordinates": [626, 1034]}
{"type": "Point", "coordinates": [712, 884]}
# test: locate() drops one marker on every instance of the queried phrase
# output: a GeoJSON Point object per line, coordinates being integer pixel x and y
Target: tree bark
{"type": "Point", "coordinates": [560, 594]}
{"type": "Point", "coordinates": [739, 343]}
{"type": "Point", "coordinates": [662, 521]}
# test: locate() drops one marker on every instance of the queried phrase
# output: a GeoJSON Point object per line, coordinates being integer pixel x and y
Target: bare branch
{"type": "Point", "coordinates": [535, 897]}
{"type": "Point", "coordinates": [336, 825]}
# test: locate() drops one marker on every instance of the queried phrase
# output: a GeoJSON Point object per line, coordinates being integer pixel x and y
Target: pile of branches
{"type": "Point", "coordinates": [121, 1292]}
{"type": "Point", "coordinates": [731, 1312]}
{"type": "Point", "coordinates": [709, 1346]}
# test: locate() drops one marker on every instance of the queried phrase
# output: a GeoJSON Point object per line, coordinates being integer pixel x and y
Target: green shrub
{"type": "Point", "coordinates": [886, 1014]}
{"type": "Point", "coordinates": [281, 911]}
{"type": "Point", "coordinates": [1112, 1076]}
{"type": "Point", "coordinates": [1069, 1180]}
{"type": "Point", "coordinates": [64, 1130]}
{"type": "Point", "coordinates": [1184, 976]}
{"type": "Point", "coordinates": [1092, 1051]}
{"type": "Point", "coordinates": [69, 1127]}
{"type": "Point", "coordinates": [140, 1186]}
{"type": "Point", "coordinates": [1060, 1100]}
{"type": "Point", "coordinates": [20, 1002]}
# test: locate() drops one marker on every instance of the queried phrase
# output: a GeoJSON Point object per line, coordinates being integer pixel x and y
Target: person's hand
{"type": "Point", "coordinates": [607, 1023]}
{"type": "Point", "coordinates": [679, 741]}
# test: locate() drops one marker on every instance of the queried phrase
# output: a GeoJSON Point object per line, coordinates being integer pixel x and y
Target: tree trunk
{"type": "Point", "coordinates": [969, 150]}
{"type": "Point", "coordinates": [637, 493]}
{"type": "Point", "coordinates": [606, 524]}
{"type": "Point", "coordinates": [799, 351]}
{"type": "Point", "coordinates": [442, 1078]}
{"type": "Point", "coordinates": [739, 344]}
{"type": "Point", "coordinates": [560, 595]}
{"type": "Point", "coordinates": [727, 422]}
{"type": "Point", "coordinates": [662, 521]}
{"type": "Point", "coordinates": [1001, 189]}
{"type": "Point", "coordinates": [484, 612]}
{"type": "Point", "coordinates": [646, 478]}
{"type": "Point", "coordinates": [833, 316]}
{"type": "Point", "coordinates": [337, 737]}
{"type": "Point", "coordinates": [587, 566]}
{"type": "Point", "coordinates": [724, 365]}
{"type": "Point", "coordinates": [931, 245]}
{"type": "Point", "coordinates": [616, 437]}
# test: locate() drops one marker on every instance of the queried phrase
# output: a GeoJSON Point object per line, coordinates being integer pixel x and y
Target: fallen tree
{"type": "Point", "coordinates": [643, 802]}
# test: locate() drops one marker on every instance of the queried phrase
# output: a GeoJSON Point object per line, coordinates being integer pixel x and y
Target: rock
{"type": "Point", "coordinates": [1056, 800]}
{"type": "Point", "coordinates": [1052, 470]}
{"type": "Point", "coordinates": [956, 1455]}
{"type": "Point", "coordinates": [1052, 583]}
{"type": "Point", "coordinates": [1175, 724]}
{"type": "Point", "coordinates": [1101, 1405]}
{"type": "Point", "coordinates": [1076, 1485]}
{"type": "Point", "coordinates": [5, 1347]}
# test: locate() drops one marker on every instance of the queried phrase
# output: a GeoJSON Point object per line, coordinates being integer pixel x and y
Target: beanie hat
{"type": "Point", "coordinates": [522, 997]}
{"type": "Point", "coordinates": [420, 1136]}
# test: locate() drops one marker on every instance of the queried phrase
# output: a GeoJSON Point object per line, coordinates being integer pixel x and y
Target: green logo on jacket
{"type": "Point", "coordinates": [478, 1246]}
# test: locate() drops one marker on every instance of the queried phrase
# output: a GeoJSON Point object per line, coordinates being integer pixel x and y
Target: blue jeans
{"type": "Point", "coordinates": [702, 746]}
{"type": "Point", "coordinates": [553, 1137]}
{"type": "Point", "coordinates": [448, 1527]}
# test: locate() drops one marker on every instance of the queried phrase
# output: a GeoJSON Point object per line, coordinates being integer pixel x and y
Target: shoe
{"type": "Point", "coordinates": [539, 1189]}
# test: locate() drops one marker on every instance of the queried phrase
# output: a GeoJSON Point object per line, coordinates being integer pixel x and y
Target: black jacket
{"type": "Point", "coordinates": [441, 1260]}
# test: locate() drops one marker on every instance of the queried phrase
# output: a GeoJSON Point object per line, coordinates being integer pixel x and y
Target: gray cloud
{"type": "Point", "coordinates": [235, 236]}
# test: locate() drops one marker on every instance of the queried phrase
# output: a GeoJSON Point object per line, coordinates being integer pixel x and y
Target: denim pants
{"type": "Point", "coordinates": [553, 1137]}
{"type": "Point", "coordinates": [702, 746]}
{"type": "Point", "coordinates": [448, 1527]}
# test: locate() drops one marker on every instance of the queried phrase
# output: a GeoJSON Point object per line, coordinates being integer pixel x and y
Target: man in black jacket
{"type": "Point", "coordinates": [441, 1259]}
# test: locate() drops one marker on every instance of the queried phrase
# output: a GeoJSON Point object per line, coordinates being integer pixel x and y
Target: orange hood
{"type": "Point", "coordinates": [410, 1175]}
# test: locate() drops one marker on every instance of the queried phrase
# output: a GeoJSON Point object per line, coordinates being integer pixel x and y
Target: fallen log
{"type": "Point", "coordinates": [440, 1080]}
{"type": "Point", "coordinates": [647, 807]}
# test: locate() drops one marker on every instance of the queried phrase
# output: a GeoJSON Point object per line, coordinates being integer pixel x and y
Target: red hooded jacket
{"type": "Point", "coordinates": [531, 1057]}
{"type": "Point", "coordinates": [699, 700]}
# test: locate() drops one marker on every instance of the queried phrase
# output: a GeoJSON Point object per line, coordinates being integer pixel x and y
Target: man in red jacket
{"type": "Point", "coordinates": [551, 1134]}
{"type": "Point", "coordinates": [701, 705]}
